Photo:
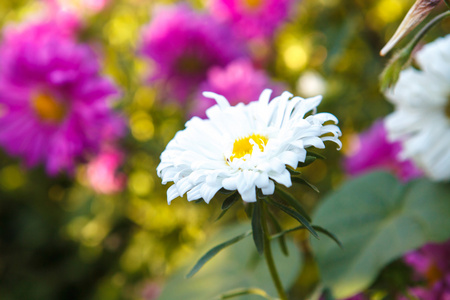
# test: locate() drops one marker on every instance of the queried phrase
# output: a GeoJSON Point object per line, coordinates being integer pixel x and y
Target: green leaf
{"type": "Point", "coordinates": [281, 238]}
{"type": "Point", "coordinates": [315, 154]}
{"type": "Point", "coordinates": [227, 203]}
{"type": "Point", "coordinates": [378, 219]}
{"type": "Point", "coordinates": [211, 253]}
{"type": "Point", "coordinates": [317, 228]}
{"type": "Point", "coordinates": [308, 160]}
{"type": "Point", "coordinates": [279, 193]}
{"type": "Point", "coordinates": [258, 233]}
{"type": "Point", "coordinates": [327, 233]}
{"type": "Point", "coordinates": [294, 172]}
{"type": "Point", "coordinates": [391, 72]}
{"type": "Point", "coordinates": [242, 292]}
{"type": "Point", "coordinates": [303, 181]}
{"type": "Point", "coordinates": [238, 266]}
{"type": "Point", "coordinates": [295, 215]}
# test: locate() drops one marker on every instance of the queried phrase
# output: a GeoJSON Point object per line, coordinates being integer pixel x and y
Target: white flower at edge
{"type": "Point", "coordinates": [244, 147]}
{"type": "Point", "coordinates": [421, 120]}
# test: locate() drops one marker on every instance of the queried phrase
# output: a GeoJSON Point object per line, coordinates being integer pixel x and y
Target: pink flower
{"type": "Point", "coordinates": [374, 152]}
{"type": "Point", "coordinates": [239, 82]}
{"type": "Point", "coordinates": [252, 18]}
{"type": "Point", "coordinates": [431, 262]}
{"type": "Point", "coordinates": [102, 172]}
{"type": "Point", "coordinates": [55, 103]}
{"type": "Point", "coordinates": [183, 45]}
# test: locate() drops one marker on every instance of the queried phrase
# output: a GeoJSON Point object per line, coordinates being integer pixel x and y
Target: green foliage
{"type": "Point", "coordinates": [238, 266]}
{"type": "Point", "coordinates": [257, 228]}
{"type": "Point", "coordinates": [378, 219]}
{"type": "Point", "coordinates": [211, 253]}
{"type": "Point", "coordinates": [294, 214]}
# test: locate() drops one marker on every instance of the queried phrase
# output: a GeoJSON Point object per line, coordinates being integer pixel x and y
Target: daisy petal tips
{"type": "Point", "coordinates": [244, 147]}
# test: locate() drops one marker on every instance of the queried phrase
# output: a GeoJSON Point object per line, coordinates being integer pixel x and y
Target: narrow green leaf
{"type": "Point", "coordinates": [315, 154]}
{"type": "Point", "coordinates": [226, 192]}
{"type": "Point", "coordinates": [295, 215]}
{"type": "Point", "coordinates": [284, 232]}
{"type": "Point", "coordinates": [308, 160]}
{"type": "Point", "coordinates": [213, 251]}
{"type": "Point", "coordinates": [329, 234]}
{"type": "Point", "coordinates": [248, 208]}
{"type": "Point", "coordinates": [199, 200]}
{"type": "Point", "coordinates": [292, 202]}
{"type": "Point", "coordinates": [258, 233]}
{"type": "Point", "coordinates": [303, 181]}
{"type": "Point", "coordinates": [294, 172]}
{"type": "Point", "coordinates": [243, 292]}
{"type": "Point", "coordinates": [229, 201]}
{"type": "Point", "coordinates": [281, 239]}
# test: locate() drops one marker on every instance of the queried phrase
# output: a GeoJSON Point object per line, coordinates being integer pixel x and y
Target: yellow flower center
{"type": "Point", "coordinates": [47, 108]}
{"type": "Point", "coordinates": [244, 146]}
{"type": "Point", "coordinates": [253, 3]}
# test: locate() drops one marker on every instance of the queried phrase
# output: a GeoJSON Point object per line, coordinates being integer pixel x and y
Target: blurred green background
{"type": "Point", "coordinates": [59, 239]}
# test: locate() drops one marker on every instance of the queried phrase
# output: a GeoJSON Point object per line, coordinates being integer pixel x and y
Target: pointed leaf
{"type": "Point", "coordinates": [229, 201]}
{"type": "Point", "coordinates": [281, 238]}
{"type": "Point", "coordinates": [308, 160]}
{"type": "Point", "coordinates": [210, 254]}
{"type": "Point", "coordinates": [292, 202]}
{"type": "Point", "coordinates": [303, 181]}
{"type": "Point", "coordinates": [329, 234]}
{"type": "Point", "coordinates": [295, 215]}
{"type": "Point", "coordinates": [284, 232]}
{"type": "Point", "coordinates": [294, 172]}
{"type": "Point", "coordinates": [258, 233]}
{"type": "Point", "coordinates": [315, 154]}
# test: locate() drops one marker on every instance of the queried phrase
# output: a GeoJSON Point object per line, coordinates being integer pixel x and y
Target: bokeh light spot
{"type": "Point", "coordinates": [295, 57]}
{"type": "Point", "coordinates": [142, 126]}
{"type": "Point", "coordinates": [11, 177]}
{"type": "Point", "coordinates": [141, 183]}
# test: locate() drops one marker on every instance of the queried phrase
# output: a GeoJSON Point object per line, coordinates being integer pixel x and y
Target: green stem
{"type": "Point", "coordinates": [268, 255]}
{"type": "Point", "coordinates": [425, 29]}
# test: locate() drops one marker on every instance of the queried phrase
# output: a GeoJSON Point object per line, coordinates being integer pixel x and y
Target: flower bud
{"type": "Point", "coordinates": [415, 15]}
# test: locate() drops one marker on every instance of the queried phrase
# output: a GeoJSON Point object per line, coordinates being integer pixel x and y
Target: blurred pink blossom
{"type": "Point", "coordinates": [432, 264]}
{"type": "Point", "coordinates": [252, 18]}
{"type": "Point", "coordinates": [102, 172]}
{"type": "Point", "coordinates": [55, 103]}
{"type": "Point", "coordinates": [184, 44]}
{"type": "Point", "coordinates": [372, 151]}
{"type": "Point", "coordinates": [239, 82]}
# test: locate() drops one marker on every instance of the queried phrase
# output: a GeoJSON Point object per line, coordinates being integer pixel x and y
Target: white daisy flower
{"type": "Point", "coordinates": [244, 147]}
{"type": "Point", "coordinates": [421, 120]}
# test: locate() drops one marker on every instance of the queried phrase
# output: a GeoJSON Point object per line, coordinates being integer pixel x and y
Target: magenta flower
{"type": "Point", "coordinates": [183, 45]}
{"type": "Point", "coordinates": [239, 82]}
{"type": "Point", "coordinates": [102, 174]}
{"type": "Point", "coordinates": [252, 18]}
{"type": "Point", "coordinates": [55, 105]}
{"type": "Point", "coordinates": [374, 152]}
{"type": "Point", "coordinates": [431, 263]}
